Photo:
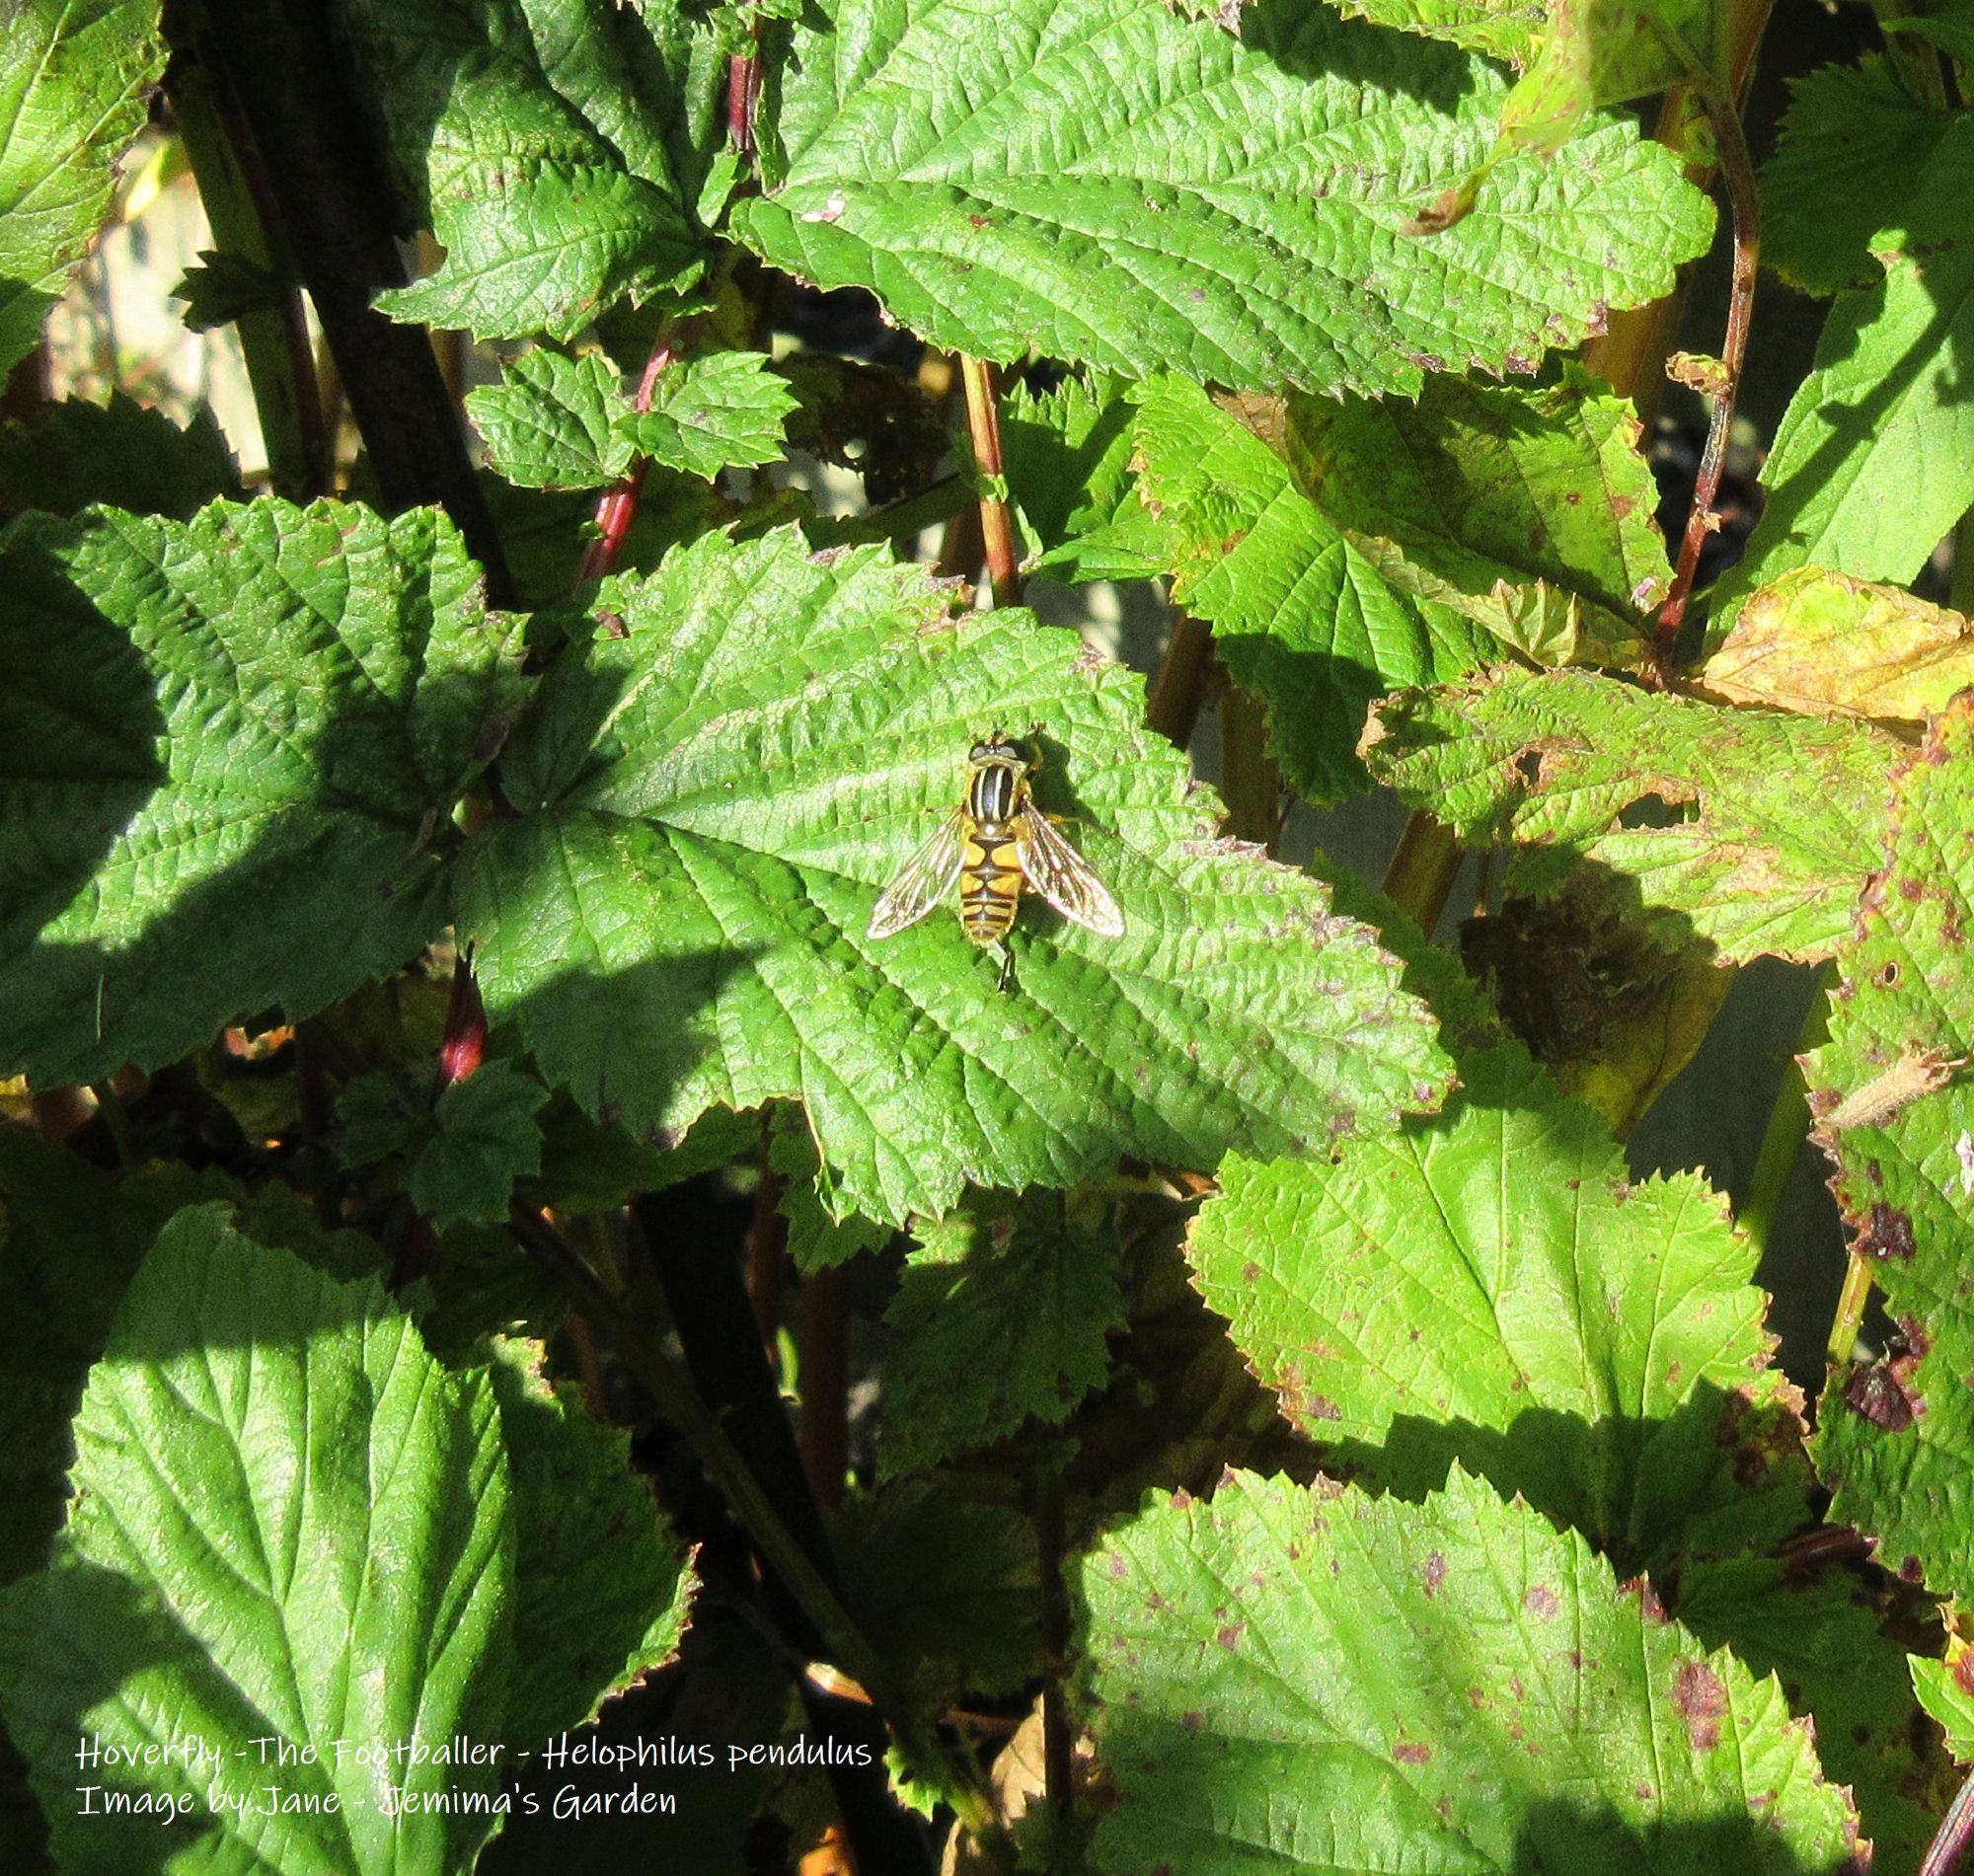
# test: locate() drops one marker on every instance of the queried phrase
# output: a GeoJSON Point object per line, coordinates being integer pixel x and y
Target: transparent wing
{"type": "Point", "coordinates": [1063, 877]}
{"type": "Point", "coordinates": [923, 880]}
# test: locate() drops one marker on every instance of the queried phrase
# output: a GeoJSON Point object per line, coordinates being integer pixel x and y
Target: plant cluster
{"type": "Point", "coordinates": [437, 871]}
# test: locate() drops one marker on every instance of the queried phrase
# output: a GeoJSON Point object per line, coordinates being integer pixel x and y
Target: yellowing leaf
{"type": "Point", "coordinates": [1827, 645]}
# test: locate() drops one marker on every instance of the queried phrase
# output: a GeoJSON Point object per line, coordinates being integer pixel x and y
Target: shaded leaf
{"type": "Point", "coordinates": [951, 1586]}
{"type": "Point", "coordinates": [274, 1482]}
{"type": "Point", "coordinates": [1001, 1315]}
{"type": "Point", "coordinates": [600, 1586]}
{"type": "Point", "coordinates": [1303, 619]}
{"type": "Point", "coordinates": [1853, 143]}
{"type": "Point", "coordinates": [1101, 182]}
{"type": "Point", "coordinates": [1330, 1681]}
{"type": "Point", "coordinates": [1068, 457]}
{"type": "Point", "coordinates": [555, 148]}
{"type": "Point", "coordinates": [485, 1138]}
{"type": "Point", "coordinates": [713, 801]}
{"type": "Point", "coordinates": [227, 750]}
{"type": "Point", "coordinates": [74, 453]}
{"type": "Point", "coordinates": [1779, 815]}
{"type": "Point", "coordinates": [1873, 460]}
{"type": "Point", "coordinates": [1530, 511]}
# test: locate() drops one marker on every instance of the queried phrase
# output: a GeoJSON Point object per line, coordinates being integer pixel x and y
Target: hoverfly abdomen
{"type": "Point", "coordinates": [995, 842]}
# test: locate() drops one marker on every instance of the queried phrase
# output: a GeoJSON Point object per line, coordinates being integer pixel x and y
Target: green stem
{"type": "Point", "coordinates": [638, 1346]}
{"type": "Point", "coordinates": [1423, 866]}
{"type": "Point", "coordinates": [274, 341]}
{"type": "Point", "coordinates": [1788, 1118]}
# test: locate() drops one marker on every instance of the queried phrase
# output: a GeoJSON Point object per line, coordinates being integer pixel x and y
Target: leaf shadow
{"type": "Point", "coordinates": [1563, 1837]}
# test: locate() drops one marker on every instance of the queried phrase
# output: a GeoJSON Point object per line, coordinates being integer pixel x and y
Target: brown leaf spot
{"type": "Point", "coordinates": [1540, 1601]}
{"type": "Point", "coordinates": [1228, 1634]}
{"type": "Point", "coordinates": [1409, 1751]}
{"type": "Point", "coordinates": [1433, 1574]}
{"type": "Point", "coordinates": [1701, 1699]}
{"type": "Point", "coordinates": [1881, 1394]}
{"type": "Point", "coordinates": [1888, 1235]}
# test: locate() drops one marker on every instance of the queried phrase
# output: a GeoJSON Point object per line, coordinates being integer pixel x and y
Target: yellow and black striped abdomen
{"type": "Point", "coordinates": [990, 882]}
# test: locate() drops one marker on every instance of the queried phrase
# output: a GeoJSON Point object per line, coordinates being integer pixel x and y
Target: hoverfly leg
{"type": "Point", "coordinates": [1007, 979]}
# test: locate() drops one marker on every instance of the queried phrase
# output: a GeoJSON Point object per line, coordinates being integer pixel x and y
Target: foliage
{"type": "Point", "coordinates": [1271, 1347]}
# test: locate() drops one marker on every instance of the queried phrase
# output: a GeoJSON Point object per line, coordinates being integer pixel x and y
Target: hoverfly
{"type": "Point", "coordinates": [990, 845]}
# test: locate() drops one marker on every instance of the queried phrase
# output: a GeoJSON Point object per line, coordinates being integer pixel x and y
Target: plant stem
{"type": "Point", "coordinates": [1249, 781]}
{"type": "Point", "coordinates": [1737, 170]}
{"type": "Point", "coordinates": [1058, 1740]}
{"type": "Point", "coordinates": [825, 1383]}
{"type": "Point", "coordinates": [1782, 1140]}
{"type": "Point", "coordinates": [1179, 685]}
{"type": "Point", "coordinates": [617, 507]}
{"type": "Point", "coordinates": [997, 527]}
{"type": "Point", "coordinates": [1629, 353]}
{"type": "Point", "coordinates": [1423, 866]}
{"type": "Point", "coordinates": [1950, 1840]}
{"type": "Point", "coordinates": [636, 1339]}
{"type": "Point", "coordinates": [274, 341]}
{"type": "Point", "coordinates": [281, 63]}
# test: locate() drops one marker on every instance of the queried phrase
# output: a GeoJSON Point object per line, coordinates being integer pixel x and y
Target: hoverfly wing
{"type": "Point", "coordinates": [1063, 877]}
{"type": "Point", "coordinates": [923, 880]}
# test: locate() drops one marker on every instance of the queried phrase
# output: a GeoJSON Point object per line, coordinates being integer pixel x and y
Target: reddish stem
{"type": "Point", "coordinates": [618, 507]}
{"type": "Point", "coordinates": [743, 93]}
{"type": "Point", "coordinates": [997, 527]}
{"type": "Point", "coordinates": [464, 1046]}
{"type": "Point", "coordinates": [1737, 170]}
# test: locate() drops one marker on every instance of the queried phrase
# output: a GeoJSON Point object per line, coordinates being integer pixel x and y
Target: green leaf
{"type": "Point", "coordinates": [1821, 1638]}
{"type": "Point", "coordinates": [1601, 53]}
{"type": "Point", "coordinates": [1001, 1315]}
{"type": "Point", "coordinates": [587, 1167]}
{"type": "Point", "coordinates": [74, 453]}
{"type": "Point", "coordinates": [1068, 455]}
{"type": "Point", "coordinates": [382, 1115]}
{"type": "Point", "coordinates": [1895, 1435]}
{"type": "Point", "coordinates": [228, 749]}
{"type": "Point", "coordinates": [555, 147]}
{"type": "Point", "coordinates": [707, 413]}
{"type": "Point", "coordinates": [713, 802]}
{"type": "Point", "coordinates": [290, 1524]}
{"type": "Point", "coordinates": [226, 288]}
{"type": "Point", "coordinates": [1507, 30]}
{"type": "Point", "coordinates": [1873, 461]}
{"type": "Point", "coordinates": [1302, 619]}
{"type": "Point", "coordinates": [1101, 182]}
{"type": "Point", "coordinates": [950, 1586]}
{"type": "Point", "coordinates": [1854, 142]}
{"type": "Point", "coordinates": [485, 1138]}
{"type": "Point", "coordinates": [1944, 1691]}
{"type": "Point", "coordinates": [1779, 815]}
{"type": "Point", "coordinates": [1486, 1286]}
{"type": "Point", "coordinates": [816, 1238]}
{"type": "Point", "coordinates": [1317, 1680]}
{"type": "Point", "coordinates": [601, 1588]}
{"type": "Point", "coordinates": [72, 1240]}
{"type": "Point", "coordinates": [1830, 646]}
{"type": "Point", "coordinates": [1530, 511]}
{"type": "Point", "coordinates": [74, 79]}
{"type": "Point", "coordinates": [553, 422]}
